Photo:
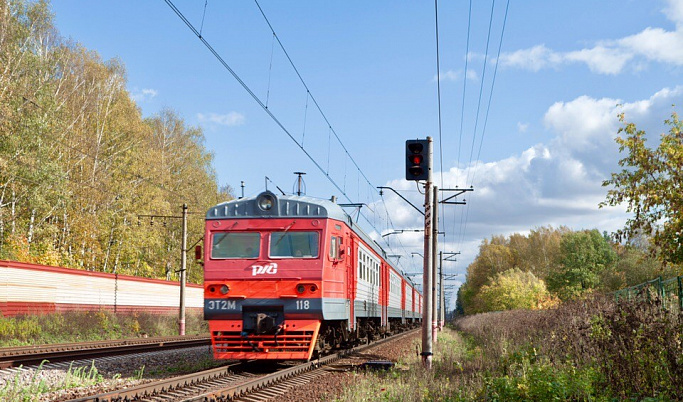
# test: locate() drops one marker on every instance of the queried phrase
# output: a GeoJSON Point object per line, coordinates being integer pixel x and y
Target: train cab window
{"type": "Point", "coordinates": [336, 248]}
{"type": "Point", "coordinates": [294, 244]}
{"type": "Point", "coordinates": [235, 245]}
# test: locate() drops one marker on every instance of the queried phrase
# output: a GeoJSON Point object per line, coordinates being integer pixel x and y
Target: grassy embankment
{"type": "Point", "coordinates": [92, 326]}
{"type": "Point", "coordinates": [588, 350]}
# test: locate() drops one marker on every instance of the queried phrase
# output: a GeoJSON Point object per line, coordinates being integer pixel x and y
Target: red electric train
{"type": "Point", "coordinates": [288, 277]}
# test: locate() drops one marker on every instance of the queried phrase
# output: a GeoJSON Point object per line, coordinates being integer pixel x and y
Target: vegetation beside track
{"type": "Point", "coordinates": [93, 326]}
{"type": "Point", "coordinates": [594, 349]}
{"type": "Point", "coordinates": [81, 169]}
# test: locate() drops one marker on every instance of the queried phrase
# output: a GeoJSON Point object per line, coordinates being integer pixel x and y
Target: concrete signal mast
{"type": "Point", "coordinates": [419, 167]}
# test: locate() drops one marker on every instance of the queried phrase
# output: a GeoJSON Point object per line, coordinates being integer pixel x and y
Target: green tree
{"type": "Point", "coordinates": [514, 289]}
{"type": "Point", "coordinates": [78, 163]}
{"type": "Point", "coordinates": [584, 257]}
{"type": "Point", "coordinates": [637, 266]}
{"type": "Point", "coordinates": [651, 184]}
{"type": "Point", "coordinates": [536, 253]}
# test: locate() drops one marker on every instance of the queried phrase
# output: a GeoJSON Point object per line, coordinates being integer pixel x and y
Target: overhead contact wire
{"type": "Point", "coordinates": [438, 91]}
{"type": "Point", "coordinates": [462, 108]}
{"type": "Point", "coordinates": [263, 106]}
{"type": "Point", "coordinates": [493, 83]}
{"type": "Point", "coordinates": [476, 119]}
{"type": "Point", "coordinates": [481, 86]}
{"type": "Point", "coordinates": [311, 95]}
{"type": "Point", "coordinates": [495, 71]}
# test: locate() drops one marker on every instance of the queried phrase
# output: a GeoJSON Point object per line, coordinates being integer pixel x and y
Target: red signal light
{"type": "Point", "coordinates": [417, 163]}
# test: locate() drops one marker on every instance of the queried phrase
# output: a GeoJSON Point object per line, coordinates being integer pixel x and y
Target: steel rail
{"type": "Point", "coordinates": [242, 390]}
{"type": "Point", "coordinates": [26, 355]}
{"type": "Point", "coordinates": [227, 392]}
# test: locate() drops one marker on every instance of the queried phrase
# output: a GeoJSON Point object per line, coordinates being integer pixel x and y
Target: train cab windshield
{"type": "Point", "coordinates": [235, 245]}
{"type": "Point", "coordinates": [294, 244]}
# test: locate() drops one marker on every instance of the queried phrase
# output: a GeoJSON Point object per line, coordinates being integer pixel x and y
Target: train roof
{"type": "Point", "coordinates": [269, 205]}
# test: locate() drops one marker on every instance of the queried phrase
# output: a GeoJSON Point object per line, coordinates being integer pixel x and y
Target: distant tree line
{"type": "Point", "coordinates": [551, 265]}
{"type": "Point", "coordinates": [556, 264]}
{"type": "Point", "coordinates": [79, 163]}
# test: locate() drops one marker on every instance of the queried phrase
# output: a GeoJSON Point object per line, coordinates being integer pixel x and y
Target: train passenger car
{"type": "Point", "coordinates": [409, 306]}
{"type": "Point", "coordinates": [289, 276]}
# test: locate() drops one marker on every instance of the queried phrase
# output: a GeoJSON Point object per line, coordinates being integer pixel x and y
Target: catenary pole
{"type": "Point", "coordinates": [183, 271]}
{"type": "Point", "coordinates": [442, 298]}
{"type": "Point", "coordinates": [435, 245]}
{"type": "Point", "coordinates": [427, 267]}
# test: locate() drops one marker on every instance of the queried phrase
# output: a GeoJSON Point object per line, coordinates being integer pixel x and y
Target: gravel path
{"type": "Point", "coordinates": [331, 385]}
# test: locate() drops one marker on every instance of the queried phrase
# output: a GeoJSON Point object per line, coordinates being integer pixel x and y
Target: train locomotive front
{"type": "Point", "coordinates": [288, 276]}
{"type": "Point", "coordinates": [263, 273]}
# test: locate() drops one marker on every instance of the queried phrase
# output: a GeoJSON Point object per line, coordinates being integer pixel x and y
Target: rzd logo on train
{"type": "Point", "coordinates": [264, 269]}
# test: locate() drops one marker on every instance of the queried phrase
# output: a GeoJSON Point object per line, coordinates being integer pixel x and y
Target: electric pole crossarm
{"type": "Point", "coordinates": [403, 198]}
{"type": "Point", "coordinates": [450, 256]}
{"type": "Point", "coordinates": [460, 191]}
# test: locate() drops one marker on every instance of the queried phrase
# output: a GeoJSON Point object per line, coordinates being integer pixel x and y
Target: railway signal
{"type": "Point", "coordinates": [417, 159]}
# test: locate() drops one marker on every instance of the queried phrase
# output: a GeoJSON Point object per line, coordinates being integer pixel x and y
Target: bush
{"type": "Point", "coordinates": [593, 348]}
{"type": "Point", "coordinates": [530, 377]}
{"type": "Point", "coordinates": [636, 345]}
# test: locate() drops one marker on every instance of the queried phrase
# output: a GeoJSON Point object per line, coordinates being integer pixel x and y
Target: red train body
{"type": "Point", "coordinates": [289, 276]}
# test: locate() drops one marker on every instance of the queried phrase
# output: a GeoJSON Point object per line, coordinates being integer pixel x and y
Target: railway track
{"type": "Point", "coordinates": [28, 355]}
{"type": "Point", "coordinates": [232, 382]}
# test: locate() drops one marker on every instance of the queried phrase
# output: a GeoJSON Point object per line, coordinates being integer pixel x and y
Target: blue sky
{"type": "Point", "coordinates": [371, 66]}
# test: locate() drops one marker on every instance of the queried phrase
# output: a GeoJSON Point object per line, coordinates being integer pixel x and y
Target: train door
{"type": "Point", "coordinates": [352, 279]}
{"type": "Point", "coordinates": [403, 302]}
{"type": "Point", "coordinates": [384, 292]}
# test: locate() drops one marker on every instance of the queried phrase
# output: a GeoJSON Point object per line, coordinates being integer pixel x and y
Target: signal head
{"type": "Point", "coordinates": [418, 163]}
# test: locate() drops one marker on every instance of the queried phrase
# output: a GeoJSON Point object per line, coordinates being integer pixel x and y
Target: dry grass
{"type": "Point", "coordinates": [594, 349]}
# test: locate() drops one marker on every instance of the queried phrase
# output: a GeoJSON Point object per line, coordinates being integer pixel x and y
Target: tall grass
{"type": "Point", "coordinates": [20, 388]}
{"type": "Point", "coordinates": [594, 349]}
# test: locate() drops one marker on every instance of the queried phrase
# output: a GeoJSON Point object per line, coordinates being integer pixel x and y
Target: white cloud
{"type": "Point", "coordinates": [230, 119]}
{"type": "Point", "coordinates": [143, 95]}
{"type": "Point", "coordinates": [554, 183]}
{"type": "Point", "coordinates": [611, 57]}
{"type": "Point", "coordinates": [600, 59]}
{"type": "Point", "coordinates": [674, 11]}
{"type": "Point", "coordinates": [449, 75]}
{"type": "Point", "coordinates": [472, 75]}
{"type": "Point", "coordinates": [150, 92]}
{"type": "Point", "coordinates": [584, 123]}
{"type": "Point", "coordinates": [456, 76]}
{"type": "Point", "coordinates": [533, 59]}
{"type": "Point", "coordinates": [522, 127]}
{"type": "Point", "coordinates": [656, 44]}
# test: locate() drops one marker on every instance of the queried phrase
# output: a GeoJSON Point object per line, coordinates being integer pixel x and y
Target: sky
{"type": "Point", "coordinates": [530, 93]}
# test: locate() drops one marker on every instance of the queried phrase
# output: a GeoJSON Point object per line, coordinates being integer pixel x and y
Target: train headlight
{"type": "Point", "coordinates": [266, 202]}
{"type": "Point", "coordinates": [225, 289]}
{"type": "Point", "coordinates": [300, 288]}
